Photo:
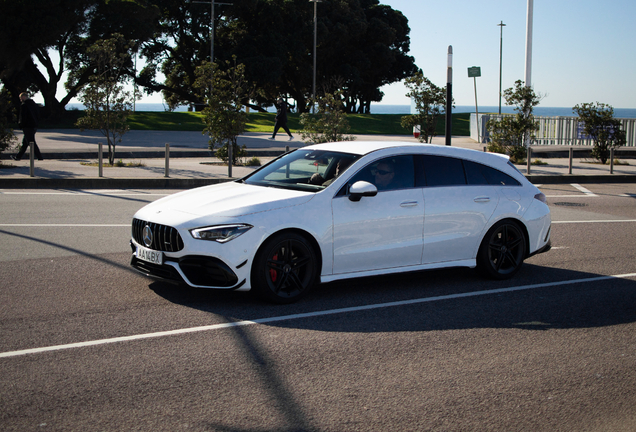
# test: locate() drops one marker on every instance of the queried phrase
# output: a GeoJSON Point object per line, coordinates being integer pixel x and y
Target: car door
{"type": "Point", "coordinates": [455, 212]}
{"type": "Point", "coordinates": [383, 231]}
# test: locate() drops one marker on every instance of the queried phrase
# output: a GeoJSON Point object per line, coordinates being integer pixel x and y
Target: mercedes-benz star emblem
{"type": "Point", "coordinates": [147, 236]}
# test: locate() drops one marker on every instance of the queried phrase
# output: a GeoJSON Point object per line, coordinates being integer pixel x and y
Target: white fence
{"type": "Point", "coordinates": [554, 130]}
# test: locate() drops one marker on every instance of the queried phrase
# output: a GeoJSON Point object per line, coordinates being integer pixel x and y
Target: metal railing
{"type": "Point", "coordinates": [554, 130]}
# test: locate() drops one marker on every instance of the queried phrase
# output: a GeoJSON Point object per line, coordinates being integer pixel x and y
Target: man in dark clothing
{"type": "Point", "coordinates": [281, 118]}
{"type": "Point", "coordinates": [28, 122]}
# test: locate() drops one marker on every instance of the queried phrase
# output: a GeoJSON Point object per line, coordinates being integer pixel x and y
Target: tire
{"type": "Point", "coordinates": [285, 268]}
{"type": "Point", "coordinates": [502, 250]}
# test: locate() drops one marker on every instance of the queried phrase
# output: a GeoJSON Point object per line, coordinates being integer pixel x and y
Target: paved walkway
{"type": "Point", "coordinates": [68, 156]}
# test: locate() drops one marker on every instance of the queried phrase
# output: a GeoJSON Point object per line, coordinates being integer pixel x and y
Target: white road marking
{"type": "Point", "coordinates": [594, 221]}
{"type": "Point", "coordinates": [64, 225]}
{"type": "Point", "coordinates": [306, 315]}
{"type": "Point", "coordinates": [570, 196]}
{"type": "Point", "coordinates": [584, 190]}
{"type": "Point", "coordinates": [97, 193]}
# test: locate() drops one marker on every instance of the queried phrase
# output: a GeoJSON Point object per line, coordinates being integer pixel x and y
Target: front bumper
{"type": "Point", "coordinates": [195, 270]}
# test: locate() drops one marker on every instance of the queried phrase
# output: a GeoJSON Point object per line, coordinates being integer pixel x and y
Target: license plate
{"type": "Point", "coordinates": [149, 255]}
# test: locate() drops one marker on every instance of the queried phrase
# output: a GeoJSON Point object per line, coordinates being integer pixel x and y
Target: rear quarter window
{"type": "Point", "coordinates": [478, 174]}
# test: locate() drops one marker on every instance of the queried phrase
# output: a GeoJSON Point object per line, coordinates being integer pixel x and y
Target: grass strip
{"type": "Point", "coordinates": [361, 124]}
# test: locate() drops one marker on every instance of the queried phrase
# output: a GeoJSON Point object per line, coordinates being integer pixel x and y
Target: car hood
{"type": "Point", "coordinates": [228, 200]}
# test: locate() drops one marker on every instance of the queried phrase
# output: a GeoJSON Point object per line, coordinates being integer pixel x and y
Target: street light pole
{"type": "Point", "coordinates": [501, 26]}
{"type": "Point", "coordinates": [313, 87]}
{"type": "Point", "coordinates": [449, 95]}
{"type": "Point", "coordinates": [212, 3]}
{"type": "Point", "coordinates": [529, 20]}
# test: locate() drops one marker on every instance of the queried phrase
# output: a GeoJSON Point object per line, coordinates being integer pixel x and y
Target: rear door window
{"type": "Point", "coordinates": [440, 171]}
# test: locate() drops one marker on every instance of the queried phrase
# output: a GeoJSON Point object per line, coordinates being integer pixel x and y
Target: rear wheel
{"type": "Point", "coordinates": [502, 251]}
{"type": "Point", "coordinates": [285, 268]}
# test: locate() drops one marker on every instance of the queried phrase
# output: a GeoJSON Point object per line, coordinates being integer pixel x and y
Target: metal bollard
{"type": "Point", "coordinates": [32, 159]}
{"type": "Point", "coordinates": [529, 160]}
{"type": "Point", "coordinates": [571, 157]}
{"type": "Point", "coordinates": [485, 149]}
{"type": "Point", "coordinates": [229, 159]}
{"type": "Point", "coordinates": [612, 160]}
{"type": "Point", "coordinates": [100, 158]}
{"type": "Point", "coordinates": [167, 169]}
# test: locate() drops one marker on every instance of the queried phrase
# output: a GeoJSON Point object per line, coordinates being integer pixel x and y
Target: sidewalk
{"type": "Point", "coordinates": [191, 163]}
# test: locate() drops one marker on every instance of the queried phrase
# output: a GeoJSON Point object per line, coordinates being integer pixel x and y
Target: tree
{"type": "Point", "coordinates": [506, 137]}
{"type": "Point", "coordinates": [365, 43]}
{"type": "Point", "coordinates": [31, 31]}
{"type": "Point", "coordinates": [329, 124]}
{"type": "Point", "coordinates": [41, 40]}
{"type": "Point", "coordinates": [359, 40]}
{"type": "Point", "coordinates": [7, 138]}
{"type": "Point", "coordinates": [107, 104]}
{"type": "Point", "coordinates": [430, 104]}
{"type": "Point", "coordinates": [511, 135]}
{"type": "Point", "coordinates": [224, 116]}
{"type": "Point", "coordinates": [602, 127]}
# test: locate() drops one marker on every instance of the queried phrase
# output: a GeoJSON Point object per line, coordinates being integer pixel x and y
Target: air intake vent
{"type": "Point", "coordinates": [164, 238]}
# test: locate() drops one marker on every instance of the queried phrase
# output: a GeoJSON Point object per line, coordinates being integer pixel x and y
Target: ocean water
{"type": "Point", "coordinates": [538, 111]}
{"type": "Point", "coordinates": [406, 109]}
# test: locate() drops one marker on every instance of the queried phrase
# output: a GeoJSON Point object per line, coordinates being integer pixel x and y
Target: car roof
{"type": "Point", "coordinates": [365, 147]}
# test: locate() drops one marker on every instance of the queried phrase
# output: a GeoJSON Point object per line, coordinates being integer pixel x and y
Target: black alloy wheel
{"type": "Point", "coordinates": [502, 250]}
{"type": "Point", "coordinates": [285, 268]}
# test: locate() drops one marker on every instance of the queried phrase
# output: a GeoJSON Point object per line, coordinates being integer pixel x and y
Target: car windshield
{"type": "Point", "coordinates": [307, 170]}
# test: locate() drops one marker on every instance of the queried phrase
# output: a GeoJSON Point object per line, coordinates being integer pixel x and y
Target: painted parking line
{"type": "Point", "coordinates": [586, 192]}
{"type": "Point", "coordinates": [306, 315]}
{"type": "Point", "coordinates": [594, 221]}
{"type": "Point", "coordinates": [66, 225]}
{"type": "Point", "coordinates": [100, 193]}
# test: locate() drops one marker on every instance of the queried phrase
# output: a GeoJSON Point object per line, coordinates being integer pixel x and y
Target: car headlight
{"type": "Point", "coordinates": [220, 233]}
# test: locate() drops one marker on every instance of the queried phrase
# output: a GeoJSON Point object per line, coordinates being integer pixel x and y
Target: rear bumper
{"type": "Point", "coordinates": [544, 249]}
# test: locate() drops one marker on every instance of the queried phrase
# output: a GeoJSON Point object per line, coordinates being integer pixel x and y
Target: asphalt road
{"type": "Point", "coordinates": [554, 349]}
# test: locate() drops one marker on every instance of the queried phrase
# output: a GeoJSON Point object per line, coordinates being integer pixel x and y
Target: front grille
{"type": "Point", "coordinates": [164, 238]}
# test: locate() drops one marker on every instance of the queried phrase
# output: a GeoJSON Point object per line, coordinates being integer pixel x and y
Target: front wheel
{"type": "Point", "coordinates": [502, 251]}
{"type": "Point", "coordinates": [285, 268]}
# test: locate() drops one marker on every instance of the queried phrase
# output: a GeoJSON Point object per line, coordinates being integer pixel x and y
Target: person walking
{"type": "Point", "coordinates": [281, 118]}
{"type": "Point", "coordinates": [28, 122]}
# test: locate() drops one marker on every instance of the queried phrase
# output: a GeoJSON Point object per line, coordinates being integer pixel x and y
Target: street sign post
{"type": "Point", "coordinates": [474, 72]}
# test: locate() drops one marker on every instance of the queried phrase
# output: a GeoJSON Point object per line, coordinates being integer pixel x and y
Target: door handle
{"type": "Point", "coordinates": [408, 204]}
{"type": "Point", "coordinates": [482, 199]}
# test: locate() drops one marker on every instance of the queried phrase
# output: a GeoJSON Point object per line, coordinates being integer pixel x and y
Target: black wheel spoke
{"type": "Point", "coordinates": [505, 250]}
{"type": "Point", "coordinates": [299, 263]}
{"type": "Point", "coordinates": [287, 268]}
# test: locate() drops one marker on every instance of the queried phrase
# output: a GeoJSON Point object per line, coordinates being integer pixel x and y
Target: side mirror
{"type": "Point", "coordinates": [362, 189]}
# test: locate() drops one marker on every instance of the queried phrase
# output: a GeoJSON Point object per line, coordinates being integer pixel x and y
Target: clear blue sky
{"type": "Point", "coordinates": [583, 50]}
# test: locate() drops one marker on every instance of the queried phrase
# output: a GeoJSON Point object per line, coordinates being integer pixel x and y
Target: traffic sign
{"type": "Point", "coordinates": [474, 71]}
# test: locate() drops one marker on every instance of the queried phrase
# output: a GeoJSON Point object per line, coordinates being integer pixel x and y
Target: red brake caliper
{"type": "Point", "coordinates": [273, 274]}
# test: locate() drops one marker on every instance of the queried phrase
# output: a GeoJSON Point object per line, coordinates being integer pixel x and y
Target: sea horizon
{"type": "Point", "coordinates": [406, 109]}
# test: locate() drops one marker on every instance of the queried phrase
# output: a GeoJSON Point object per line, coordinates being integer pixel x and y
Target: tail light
{"type": "Point", "coordinates": [541, 197]}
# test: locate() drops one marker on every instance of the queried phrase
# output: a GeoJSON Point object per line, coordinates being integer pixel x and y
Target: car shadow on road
{"type": "Point", "coordinates": [538, 298]}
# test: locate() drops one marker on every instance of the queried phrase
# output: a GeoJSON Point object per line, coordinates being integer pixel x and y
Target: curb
{"type": "Point", "coordinates": [575, 178]}
{"type": "Point", "coordinates": [108, 183]}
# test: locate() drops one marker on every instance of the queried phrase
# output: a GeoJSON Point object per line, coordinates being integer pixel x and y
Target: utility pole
{"type": "Point", "coordinates": [528, 76]}
{"type": "Point", "coordinates": [501, 26]}
{"type": "Point", "coordinates": [313, 87]}
{"type": "Point", "coordinates": [212, 24]}
{"type": "Point", "coordinates": [529, 19]}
